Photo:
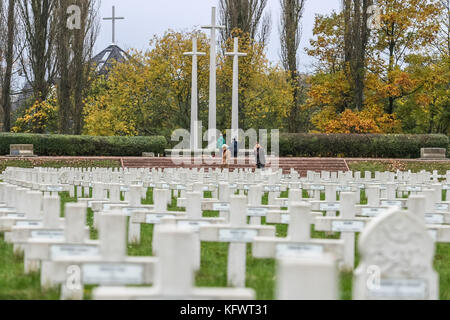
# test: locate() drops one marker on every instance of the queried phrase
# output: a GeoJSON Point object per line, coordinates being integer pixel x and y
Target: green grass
{"type": "Point", "coordinates": [260, 276]}
{"type": "Point", "coordinates": [14, 284]}
{"type": "Point", "coordinates": [394, 165]}
{"type": "Point", "coordinates": [33, 162]}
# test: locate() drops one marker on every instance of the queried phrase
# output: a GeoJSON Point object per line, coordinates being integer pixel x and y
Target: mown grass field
{"type": "Point", "coordinates": [261, 273]}
{"type": "Point", "coordinates": [394, 165]}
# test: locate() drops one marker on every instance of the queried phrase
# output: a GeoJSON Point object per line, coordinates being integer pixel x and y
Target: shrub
{"type": "Point", "coordinates": [359, 145]}
{"type": "Point", "coordinates": [67, 145]}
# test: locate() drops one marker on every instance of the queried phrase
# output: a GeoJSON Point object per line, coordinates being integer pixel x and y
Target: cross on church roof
{"type": "Point", "coordinates": [113, 19]}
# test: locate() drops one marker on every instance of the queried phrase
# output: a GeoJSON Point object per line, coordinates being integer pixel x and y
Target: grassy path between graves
{"type": "Point", "coordinates": [15, 285]}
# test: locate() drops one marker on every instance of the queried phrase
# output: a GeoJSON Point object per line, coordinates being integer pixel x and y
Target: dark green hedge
{"type": "Point", "coordinates": [297, 145]}
{"type": "Point", "coordinates": [66, 145]}
{"type": "Point", "coordinates": [359, 145]}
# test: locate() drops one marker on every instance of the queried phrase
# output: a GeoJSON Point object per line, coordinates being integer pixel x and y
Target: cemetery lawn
{"type": "Point", "coordinates": [394, 165]}
{"type": "Point", "coordinates": [15, 285]}
{"type": "Point", "coordinates": [30, 163]}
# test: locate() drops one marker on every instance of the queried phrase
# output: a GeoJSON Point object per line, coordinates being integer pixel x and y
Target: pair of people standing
{"type": "Point", "coordinates": [258, 151]}
{"type": "Point", "coordinates": [226, 153]}
{"type": "Point", "coordinates": [234, 146]}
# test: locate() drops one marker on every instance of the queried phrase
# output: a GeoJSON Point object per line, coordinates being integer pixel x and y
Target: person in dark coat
{"type": "Point", "coordinates": [260, 156]}
{"type": "Point", "coordinates": [235, 148]}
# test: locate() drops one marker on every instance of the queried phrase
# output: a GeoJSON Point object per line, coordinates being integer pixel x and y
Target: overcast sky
{"type": "Point", "coordinates": [145, 18]}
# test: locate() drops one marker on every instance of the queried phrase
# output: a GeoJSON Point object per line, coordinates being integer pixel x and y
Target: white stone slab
{"type": "Point", "coordinates": [371, 212]}
{"type": "Point", "coordinates": [414, 188]}
{"type": "Point", "coordinates": [400, 289]}
{"type": "Point", "coordinates": [108, 273]}
{"type": "Point", "coordinates": [292, 250]}
{"type": "Point", "coordinates": [441, 206]}
{"type": "Point", "coordinates": [257, 211]}
{"type": "Point", "coordinates": [329, 206]}
{"type": "Point", "coordinates": [154, 218]}
{"type": "Point", "coordinates": [237, 235]}
{"type": "Point", "coordinates": [434, 218]}
{"type": "Point", "coordinates": [194, 225]}
{"type": "Point", "coordinates": [347, 226]}
{"type": "Point", "coordinates": [26, 223]}
{"type": "Point", "coordinates": [73, 250]}
{"type": "Point", "coordinates": [391, 203]}
{"type": "Point", "coordinates": [343, 188]}
{"type": "Point", "coordinates": [48, 234]}
{"type": "Point", "coordinates": [272, 188]}
{"type": "Point", "coordinates": [285, 218]}
{"type": "Point", "coordinates": [221, 206]}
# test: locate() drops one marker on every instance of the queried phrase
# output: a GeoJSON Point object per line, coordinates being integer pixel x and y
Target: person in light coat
{"type": "Point", "coordinates": [226, 156]}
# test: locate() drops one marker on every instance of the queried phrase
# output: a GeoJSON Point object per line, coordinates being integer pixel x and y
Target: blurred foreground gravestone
{"type": "Point", "coordinates": [396, 263]}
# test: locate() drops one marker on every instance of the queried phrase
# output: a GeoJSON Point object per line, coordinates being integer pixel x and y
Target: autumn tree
{"type": "Point", "coordinates": [150, 93]}
{"type": "Point", "coordinates": [38, 60]}
{"type": "Point", "coordinates": [41, 117]}
{"type": "Point", "coordinates": [290, 37]}
{"type": "Point", "coordinates": [442, 42]}
{"type": "Point", "coordinates": [246, 15]}
{"type": "Point", "coordinates": [330, 85]}
{"type": "Point", "coordinates": [6, 78]}
{"type": "Point", "coordinates": [356, 36]}
{"type": "Point", "coordinates": [74, 52]}
{"type": "Point", "coordinates": [406, 27]}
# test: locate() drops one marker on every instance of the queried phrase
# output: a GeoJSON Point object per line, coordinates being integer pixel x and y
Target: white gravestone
{"type": "Point", "coordinates": [174, 274]}
{"type": "Point", "coordinates": [396, 263]}
{"type": "Point", "coordinates": [347, 224]}
{"type": "Point", "coordinates": [307, 278]}
{"type": "Point", "coordinates": [112, 266]}
{"type": "Point", "coordinates": [298, 242]}
{"type": "Point", "coordinates": [194, 220]}
{"type": "Point", "coordinates": [238, 233]}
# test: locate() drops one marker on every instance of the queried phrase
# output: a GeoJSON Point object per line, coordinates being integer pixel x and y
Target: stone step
{"type": "Point", "coordinates": [302, 165]}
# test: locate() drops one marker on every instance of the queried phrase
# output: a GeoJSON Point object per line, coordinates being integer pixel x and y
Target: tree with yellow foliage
{"type": "Point", "coordinates": [41, 117]}
{"type": "Point", "coordinates": [408, 28]}
{"type": "Point", "coordinates": [151, 93]}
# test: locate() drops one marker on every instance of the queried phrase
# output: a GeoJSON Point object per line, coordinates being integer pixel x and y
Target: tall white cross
{"type": "Point", "coordinates": [235, 100]}
{"type": "Point", "coordinates": [194, 95]}
{"type": "Point", "coordinates": [113, 19]}
{"type": "Point", "coordinates": [212, 81]}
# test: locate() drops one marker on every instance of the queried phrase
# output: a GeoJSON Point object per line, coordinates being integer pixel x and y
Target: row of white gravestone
{"type": "Point", "coordinates": [177, 179]}
{"type": "Point", "coordinates": [329, 205]}
{"type": "Point", "coordinates": [241, 234]}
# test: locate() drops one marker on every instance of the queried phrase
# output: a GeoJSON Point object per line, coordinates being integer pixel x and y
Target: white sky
{"type": "Point", "coordinates": [145, 18]}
